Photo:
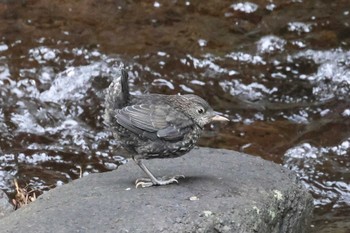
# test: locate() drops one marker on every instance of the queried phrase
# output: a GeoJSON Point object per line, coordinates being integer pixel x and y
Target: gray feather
{"type": "Point", "coordinates": [155, 120]}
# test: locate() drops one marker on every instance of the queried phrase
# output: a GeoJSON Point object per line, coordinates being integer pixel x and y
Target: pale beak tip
{"type": "Point", "coordinates": [219, 118]}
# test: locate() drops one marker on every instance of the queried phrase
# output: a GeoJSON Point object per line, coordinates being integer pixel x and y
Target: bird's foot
{"type": "Point", "coordinates": [148, 182]}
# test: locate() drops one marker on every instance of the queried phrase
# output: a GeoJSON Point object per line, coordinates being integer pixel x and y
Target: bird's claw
{"type": "Point", "coordinates": [143, 184]}
{"type": "Point", "coordinates": [147, 182]}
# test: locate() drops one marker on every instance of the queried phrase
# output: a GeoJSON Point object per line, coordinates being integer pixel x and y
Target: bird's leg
{"type": "Point", "coordinates": [152, 180]}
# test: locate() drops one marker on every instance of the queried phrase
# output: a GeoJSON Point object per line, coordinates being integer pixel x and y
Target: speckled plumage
{"type": "Point", "coordinates": [155, 126]}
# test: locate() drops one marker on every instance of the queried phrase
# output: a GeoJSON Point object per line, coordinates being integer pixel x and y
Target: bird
{"type": "Point", "coordinates": [155, 126]}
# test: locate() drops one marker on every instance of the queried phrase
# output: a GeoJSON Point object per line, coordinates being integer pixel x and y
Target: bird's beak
{"type": "Point", "coordinates": [219, 118]}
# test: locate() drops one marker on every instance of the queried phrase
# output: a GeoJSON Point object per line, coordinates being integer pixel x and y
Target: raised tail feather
{"type": "Point", "coordinates": [117, 95]}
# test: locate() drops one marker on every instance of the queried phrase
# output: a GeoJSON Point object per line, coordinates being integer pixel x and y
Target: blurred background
{"type": "Point", "coordinates": [279, 69]}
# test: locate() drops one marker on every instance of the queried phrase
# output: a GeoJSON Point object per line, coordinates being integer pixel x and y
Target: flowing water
{"type": "Point", "coordinates": [280, 70]}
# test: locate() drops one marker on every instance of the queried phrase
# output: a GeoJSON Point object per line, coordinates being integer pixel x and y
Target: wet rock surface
{"type": "Point", "coordinates": [224, 191]}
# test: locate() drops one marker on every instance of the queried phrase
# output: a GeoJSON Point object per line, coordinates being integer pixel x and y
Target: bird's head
{"type": "Point", "coordinates": [200, 111]}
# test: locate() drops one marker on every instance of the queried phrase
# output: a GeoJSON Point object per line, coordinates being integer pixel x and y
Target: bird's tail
{"type": "Point", "coordinates": [125, 86]}
{"type": "Point", "coordinates": [117, 94]}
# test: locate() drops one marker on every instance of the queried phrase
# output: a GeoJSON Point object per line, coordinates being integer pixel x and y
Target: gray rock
{"type": "Point", "coordinates": [5, 206]}
{"type": "Point", "coordinates": [224, 191]}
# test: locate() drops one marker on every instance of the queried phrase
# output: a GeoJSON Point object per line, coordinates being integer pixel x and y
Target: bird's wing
{"type": "Point", "coordinates": [154, 121]}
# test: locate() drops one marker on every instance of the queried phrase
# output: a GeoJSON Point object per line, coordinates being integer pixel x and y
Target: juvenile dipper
{"type": "Point", "coordinates": [155, 126]}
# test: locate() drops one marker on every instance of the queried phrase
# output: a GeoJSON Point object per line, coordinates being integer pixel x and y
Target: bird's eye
{"type": "Point", "coordinates": [200, 110]}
